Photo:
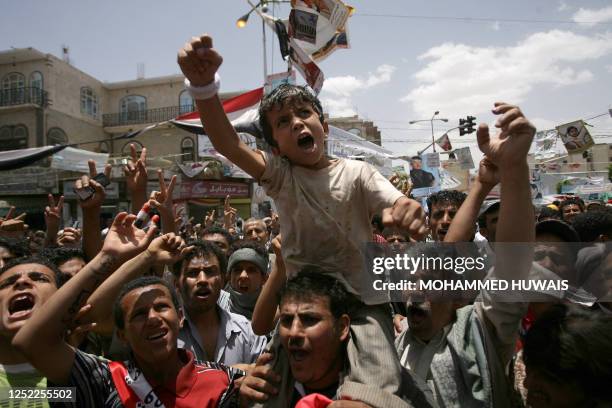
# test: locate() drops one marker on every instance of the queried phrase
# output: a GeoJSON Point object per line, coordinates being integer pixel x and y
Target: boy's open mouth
{"type": "Point", "coordinates": [306, 142]}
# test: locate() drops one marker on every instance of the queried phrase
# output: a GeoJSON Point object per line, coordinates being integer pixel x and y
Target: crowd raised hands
{"type": "Point", "coordinates": [122, 302]}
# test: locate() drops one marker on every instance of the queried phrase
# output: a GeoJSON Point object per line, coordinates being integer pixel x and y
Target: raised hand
{"type": "Point", "coordinates": [229, 214]}
{"type": "Point", "coordinates": [209, 220]}
{"type": "Point", "coordinates": [53, 212]}
{"type": "Point", "coordinates": [123, 240]}
{"type": "Point", "coordinates": [11, 226]}
{"type": "Point", "coordinates": [408, 215]}
{"type": "Point", "coordinates": [199, 61]}
{"type": "Point", "coordinates": [168, 249]}
{"type": "Point", "coordinates": [488, 173]}
{"type": "Point", "coordinates": [136, 171]}
{"type": "Point", "coordinates": [511, 144]}
{"type": "Point", "coordinates": [70, 237]}
{"type": "Point", "coordinates": [85, 182]}
{"type": "Point", "coordinates": [163, 197]}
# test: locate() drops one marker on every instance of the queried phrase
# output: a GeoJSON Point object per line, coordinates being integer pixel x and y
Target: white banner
{"type": "Point", "coordinates": [76, 160]}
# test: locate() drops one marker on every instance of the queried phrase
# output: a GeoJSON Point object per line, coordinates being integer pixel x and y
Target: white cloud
{"type": "Point", "coordinates": [337, 91]}
{"type": "Point", "coordinates": [460, 78]}
{"type": "Point", "coordinates": [543, 124]}
{"type": "Point", "coordinates": [562, 6]}
{"type": "Point", "coordinates": [589, 17]}
{"type": "Point", "coordinates": [609, 68]}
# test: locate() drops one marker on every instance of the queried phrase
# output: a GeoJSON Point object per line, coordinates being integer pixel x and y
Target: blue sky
{"type": "Point", "coordinates": [544, 55]}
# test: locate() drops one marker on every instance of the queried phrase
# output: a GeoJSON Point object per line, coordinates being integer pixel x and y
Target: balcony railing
{"type": "Point", "coordinates": [145, 116]}
{"type": "Point", "coordinates": [21, 96]}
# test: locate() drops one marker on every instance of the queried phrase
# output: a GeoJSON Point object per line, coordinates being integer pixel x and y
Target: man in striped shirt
{"type": "Point", "coordinates": [148, 320]}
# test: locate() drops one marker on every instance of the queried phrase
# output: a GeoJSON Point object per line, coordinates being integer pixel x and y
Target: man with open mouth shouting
{"type": "Point", "coordinates": [148, 319]}
{"type": "Point", "coordinates": [25, 285]}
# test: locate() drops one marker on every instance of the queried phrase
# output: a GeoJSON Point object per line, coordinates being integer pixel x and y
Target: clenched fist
{"type": "Point", "coordinates": [199, 61]}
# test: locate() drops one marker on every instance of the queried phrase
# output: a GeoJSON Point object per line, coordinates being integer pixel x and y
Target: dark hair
{"type": "Point", "coordinates": [140, 282]}
{"type": "Point", "coordinates": [311, 281]}
{"type": "Point", "coordinates": [572, 345]}
{"type": "Point", "coordinates": [201, 248]}
{"type": "Point", "coordinates": [547, 213]}
{"type": "Point", "coordinates": [18, 247]}
{"type": "Point", "coordinates": [63, 254]}
{"type": "Point", "coordinates": [416, 158]}
{"type": "Point", "coordinates": [570, 128]}
{"type": "Point", "coordinates": [247, 243]}
{"type": "Point", "coordinates": [592, 224]}
{"type": "Point", "coordinates": [492, 209]}
{"type": "Point", "coordinates": [453, 197]}
{"type": "Point", "coordinates": [388, 231]}
{"type": "Point", "coordinates": [39, 260]}
{"type": "Point", "coordinates": [278, 98]}
{"type": "Point", "coordinates": [377, 222]}
{"type": "Point", "coordinates": [569, 201]}
{"type": "Point", "coordinates": [220, 231]}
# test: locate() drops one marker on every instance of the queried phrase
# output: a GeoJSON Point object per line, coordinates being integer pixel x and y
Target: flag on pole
{"type": "Point", "coordinates": [444, 142]}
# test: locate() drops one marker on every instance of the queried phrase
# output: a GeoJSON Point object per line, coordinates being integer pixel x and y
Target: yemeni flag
{"type": "Point", "coordinates": [241, 110]}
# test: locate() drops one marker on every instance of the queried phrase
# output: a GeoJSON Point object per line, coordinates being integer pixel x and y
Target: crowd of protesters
{"type": "Point", "coordinates": [273, 312]}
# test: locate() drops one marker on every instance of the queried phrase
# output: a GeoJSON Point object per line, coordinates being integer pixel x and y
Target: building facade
{"type": "Point", "coordinates": [44, 100]}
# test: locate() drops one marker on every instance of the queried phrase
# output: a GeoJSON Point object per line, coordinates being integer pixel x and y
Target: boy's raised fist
{"type": "Point", "coordinates": [199, 61]}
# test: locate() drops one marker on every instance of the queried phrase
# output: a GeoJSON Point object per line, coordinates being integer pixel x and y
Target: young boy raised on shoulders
{"type": "Point", "coordinates": [325, 204]}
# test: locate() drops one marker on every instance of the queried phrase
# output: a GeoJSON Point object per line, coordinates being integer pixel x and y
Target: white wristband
{"type": "Point", "coordinates": [206, 91]}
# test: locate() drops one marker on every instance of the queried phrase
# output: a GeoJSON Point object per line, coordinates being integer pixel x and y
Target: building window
{"type": "Point", "coordinates": [125, 151]}
{"type": "Point", "coordinates": [36, 80]}
{"type": "Point", "coordinates": [133, 108]}
{"type": "Point", "coordinates": [103, 147]}
{"type": "Point", "coordinates": [36, 87]}
{"type": "Point", "coordinates": [13, 137]}
{"type": "Point", "coordinates": [187, 150]}
{"type": "Point", "coordinates": [89, 102]}
{"type": "Point", "coordinates": [13, 80]}
{"type": "Point", "coordinates": [13, 89]}
{"type": "Point", "coordinates": [56, 136]}
{"type": "Point", "coordinates": [186, 104]}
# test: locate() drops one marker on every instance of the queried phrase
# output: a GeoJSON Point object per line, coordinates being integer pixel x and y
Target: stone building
{"type": "Point", "coordinates": [44, 100]}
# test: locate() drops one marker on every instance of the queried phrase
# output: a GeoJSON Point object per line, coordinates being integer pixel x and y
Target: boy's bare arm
{"type": "Point", "coordinates": [199, 62]}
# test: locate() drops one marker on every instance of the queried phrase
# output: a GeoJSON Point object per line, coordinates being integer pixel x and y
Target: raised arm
{"type": "Point", "coordinates": [41, 339]}
{"type": "Point", "coordinates": [136, 178]}
{"type": "Point", "coordinates": [508, 150]}
{"type": "Point", "coordinates": [53, 216]}
{"type": "Point", "coordinates": [462, 227]}
{"type": "Point", "coordinates": [199, 62]}
{"type": "Point", "coordinates": [162, 201]}
{"type": "Point", "coordinates": [515, 225]}
{"type": "Point", "coordinates": [264, 315]}
{"type": "Point", "coordinates": [164, 250]}
{"type": "Point", "coordinates": [92, 239]}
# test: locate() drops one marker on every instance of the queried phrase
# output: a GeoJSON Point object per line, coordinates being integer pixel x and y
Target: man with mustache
{"type": "Point", "coordinates": [442, 207]}
{"type": "Point", "coordinates": [314, 327]}
{"type": "Point", "coordinates": [210, 331]}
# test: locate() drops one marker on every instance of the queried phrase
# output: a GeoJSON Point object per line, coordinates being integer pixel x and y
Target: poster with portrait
{"type": "Point", "coordinates": [575, 136]}
{"type": "Point", "coordinates": [425, 174]}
